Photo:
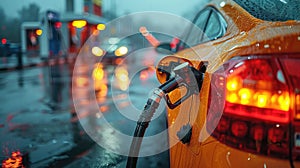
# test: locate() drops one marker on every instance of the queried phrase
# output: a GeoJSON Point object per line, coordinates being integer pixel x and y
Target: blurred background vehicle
{"type": "Point", "coordinates": [116, 49]}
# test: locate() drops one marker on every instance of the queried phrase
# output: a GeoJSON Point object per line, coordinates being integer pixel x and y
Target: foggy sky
{"type": "Point", "coordinates": [178, 7]}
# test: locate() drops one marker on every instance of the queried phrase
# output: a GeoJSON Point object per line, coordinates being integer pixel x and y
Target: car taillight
{"type": "Point", "coordinates": [253, 105]}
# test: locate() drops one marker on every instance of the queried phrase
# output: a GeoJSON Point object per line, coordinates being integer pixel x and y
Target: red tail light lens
{"type": "Point", "coordinates": [291, 67]}
{"type": "Point", "coordinates": [251, 105]}
{"type": "Point", "coordinates": [257, 84]}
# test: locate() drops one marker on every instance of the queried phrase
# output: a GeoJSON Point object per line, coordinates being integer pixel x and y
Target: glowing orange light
{"type": "Point", "coordinates": [96, 32]}
{"type": "Point", "coordinates": [232, 98]}
{"type": "Point", "coordinates": [258, 98]}
{"type": "Point", "coordinates": [39, 32]}
{"type": "Point", "coordinates": [15, 160]}
{"type": "Point", "coordinates": [262, 100]}
{"type": "Point", "coordinates": [104, 108]}
{"type": "Point", "coordinates": [245, 95]}
{"type": "Point", "coordinates": [101, 88]}
{"type": "Point", "coordinates": [233, 83]}
{"type": "Point", "coordinates": [119, 61]}
{"type": "Point", "coordinates": [298, 106]}
{"type": "Point", "coordinates": [144, 75]}
{"type": "Point", "coordinates": [122, 76]}
{"type": "Point", "coordinates": [81, 81]}
{"type": "Point", "coordinates": [101, 26]}
{"type": "Point", "coordinates": [284, 101]}
{"type": "Point", "coordinates": [79, 23]}
{"type": "Point", "coordinates": [98, 73]}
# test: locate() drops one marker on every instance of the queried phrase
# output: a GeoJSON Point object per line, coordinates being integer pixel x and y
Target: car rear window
{"type": "Point", "coordinates": [272, 10]}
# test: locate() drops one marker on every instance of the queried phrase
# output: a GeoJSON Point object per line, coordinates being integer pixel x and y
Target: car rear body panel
{"type": "Point", "coordinates": [245, 36]}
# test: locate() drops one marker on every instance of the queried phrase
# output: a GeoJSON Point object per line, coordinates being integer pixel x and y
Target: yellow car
{"type": "Point", "coordinates": [247, 113]}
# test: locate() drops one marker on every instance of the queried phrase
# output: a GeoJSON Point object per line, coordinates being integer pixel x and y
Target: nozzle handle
{"type": "Point", "coordinates": [171, 84]}
{"type": "Point", "coordinates": [182, 99]}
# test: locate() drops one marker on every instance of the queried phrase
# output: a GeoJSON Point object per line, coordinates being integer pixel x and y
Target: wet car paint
{"type": "Point", "coordinates": [245, 36]}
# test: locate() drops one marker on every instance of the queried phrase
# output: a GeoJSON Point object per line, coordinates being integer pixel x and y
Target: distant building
{"type": "Point", "coordinates": [80, 20]}
{"type": "Point", "coordinates": [63, 33]}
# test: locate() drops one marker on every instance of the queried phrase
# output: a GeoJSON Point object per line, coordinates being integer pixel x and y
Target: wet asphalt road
{"type": "Point", "coordinates": [46, 113]}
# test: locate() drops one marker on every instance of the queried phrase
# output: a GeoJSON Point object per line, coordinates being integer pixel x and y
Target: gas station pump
{"type": "Point", "coordinates": [54, 33]}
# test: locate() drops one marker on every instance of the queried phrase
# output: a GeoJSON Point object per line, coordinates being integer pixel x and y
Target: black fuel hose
{"type": "Point", "coordinates": [146, 116]}
{"type": "Point", "coordinates": [139, 132]}
{"type": "Point", "coordinates": [184, 74]}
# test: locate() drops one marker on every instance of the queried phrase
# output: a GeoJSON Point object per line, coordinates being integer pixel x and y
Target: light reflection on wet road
{"type": "Point", "coordinates": [121, 93]}
{"type": "Point", "coordinates": [37, 115]}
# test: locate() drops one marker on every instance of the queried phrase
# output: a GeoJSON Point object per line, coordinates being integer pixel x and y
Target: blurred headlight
{"type": "Point", "coordinates": [121, 51]}
{"type": "Point", "coordinates": [97, 51]}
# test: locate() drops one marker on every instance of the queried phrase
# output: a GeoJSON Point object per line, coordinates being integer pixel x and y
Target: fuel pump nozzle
{"type": "Point", "coordinates": [185, 76]}
{"type": "Point", "coordinates": [182, 75]}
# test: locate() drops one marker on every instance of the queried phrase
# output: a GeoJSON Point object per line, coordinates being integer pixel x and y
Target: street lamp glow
{"type": "Point", "coordinates": [79, 23]}
{"type": "Point", "coordinates": [101, 26]}
{"type": "Point", "coordinates": [39, 32]}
